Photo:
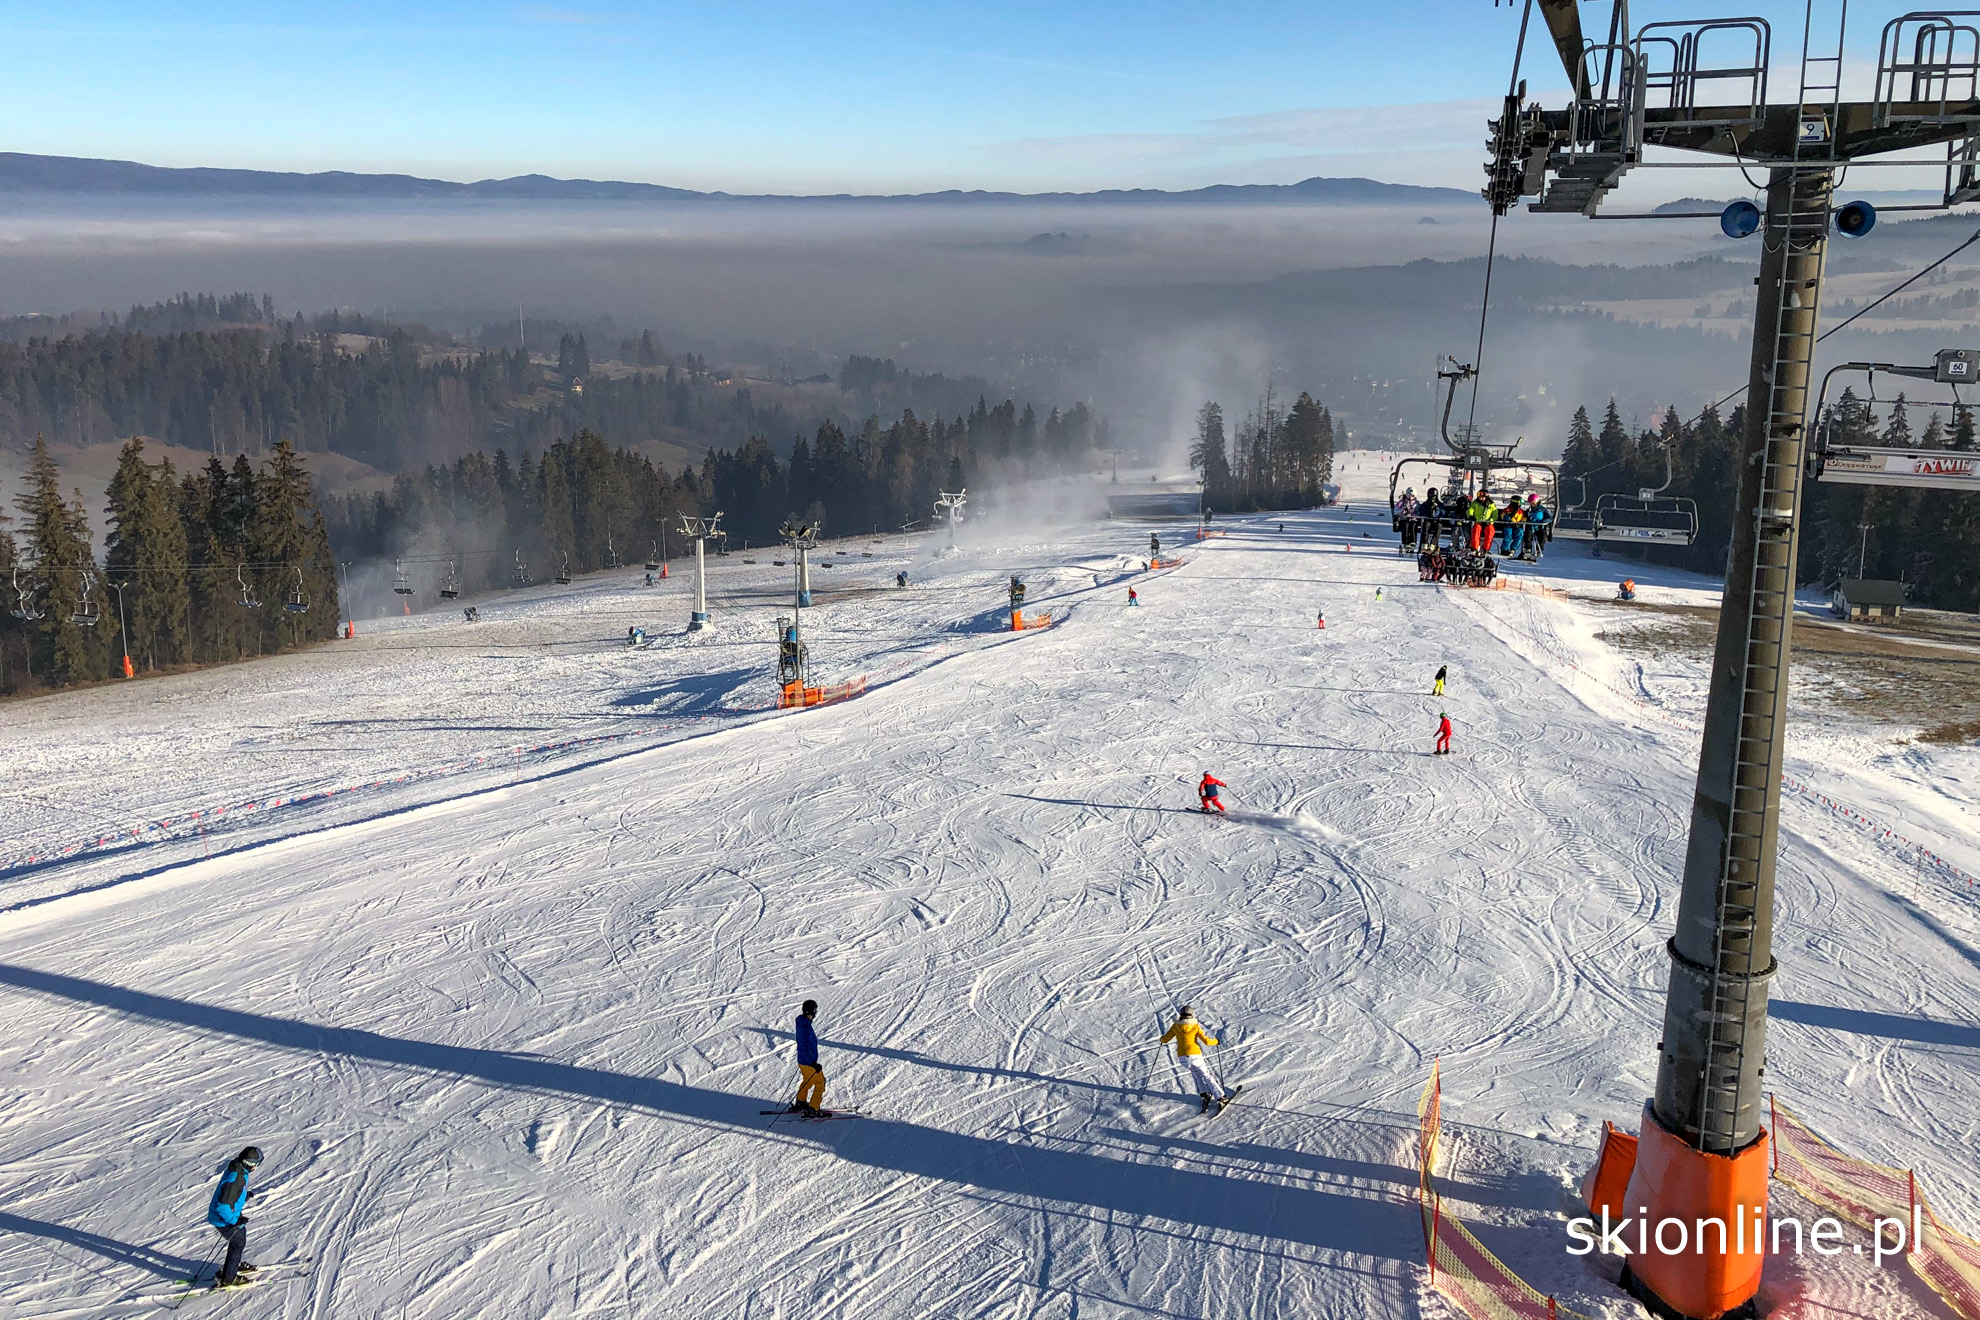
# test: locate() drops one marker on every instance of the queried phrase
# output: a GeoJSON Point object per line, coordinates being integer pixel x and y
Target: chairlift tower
{"type": "Point", "coordinates": [699, 530]}
{"type": "Point", "coordinates": [1701, 86]}
{"type": "Point", "coordinates": [802, 538]}
{"type": "Point", "coordinates": [950, 505]}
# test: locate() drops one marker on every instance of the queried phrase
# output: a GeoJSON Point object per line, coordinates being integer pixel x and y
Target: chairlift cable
{"type": "Point", "coordinates": [1492, 243]}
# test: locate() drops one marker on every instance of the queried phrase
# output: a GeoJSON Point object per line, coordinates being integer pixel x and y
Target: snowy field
{"type": "Point", "coordinates": [505, 1012]}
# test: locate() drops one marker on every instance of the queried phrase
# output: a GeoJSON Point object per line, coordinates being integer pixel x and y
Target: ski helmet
{"type": "Point", "coordinates": [1185, 1012]}
{"type": "Point", "coordinates": [251, 1157]}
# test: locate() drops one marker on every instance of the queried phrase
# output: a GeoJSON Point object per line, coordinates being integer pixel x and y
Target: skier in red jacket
{"type": "Point", "coordinates": [1443, 733]}
{"type": "Point", "coordinates": [1206, 792]}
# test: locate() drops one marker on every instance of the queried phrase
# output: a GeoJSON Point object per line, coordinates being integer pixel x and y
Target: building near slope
{"type": "Point", "coordinates": [1864, 600]}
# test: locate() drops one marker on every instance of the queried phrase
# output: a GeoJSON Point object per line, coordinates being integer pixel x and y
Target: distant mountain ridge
{"type": "Point", "coordinates": [22, 173]}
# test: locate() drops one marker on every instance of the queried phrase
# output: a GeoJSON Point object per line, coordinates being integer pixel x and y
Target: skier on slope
{"type": "Point", "coordinates": [1189, 1038]}
{"type": "Point", "coordinates": [1134, 597]}
{"type": "Point", "coordinates": [1321, 617]}
{"type": "Point", "coordinates": [1154, 546]}
{"type": "Point", "coordinates": [226, 1214]}
{"type": "Point", "coordinates": [1437, 688]}
{"type": "Point", "coordinates": [1206, 792]}
{"type": "Point", "coordinates": [811, 1087]}
{"type": "Point", "coordinates": [1443, 734]}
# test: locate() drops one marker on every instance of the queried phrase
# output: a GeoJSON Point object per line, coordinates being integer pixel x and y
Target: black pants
{"type": "Point", "coordinates": [236, 1239]}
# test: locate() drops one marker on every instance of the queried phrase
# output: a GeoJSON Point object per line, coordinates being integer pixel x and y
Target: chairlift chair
{"type": "Point", "coordinates": [653, 559]}
{"type": "Point", "coordinates": [1649, 515]}
{"type": "Point", "coordinates": [247, 600]}
{"type": "Point", "coordinates": [612, 553]}
{"type": "Point", "coordinates": [87, 611]}
{"type": "Point", "coordinates": [297, 600]}
{"type": "Point", "coordinates": [451, 588]}
{"type": "Point", "coordinates": [521, 577]}
{"type": "Point", "coordinates": [564, 572]}
{"type": "Point", "coordinates": [1578, 523]}
{"type": "Point", "coordinates": [23, 607]}
{"type": "Point", "coordinates": [401, 584]}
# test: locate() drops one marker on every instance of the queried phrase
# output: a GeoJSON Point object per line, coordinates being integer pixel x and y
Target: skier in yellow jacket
{"type": "Point", "coordinates": [1190, 1038]}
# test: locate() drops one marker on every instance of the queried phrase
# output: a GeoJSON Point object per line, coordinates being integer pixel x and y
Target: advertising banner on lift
{"type": "Point", "coordinates": [1934, 469]}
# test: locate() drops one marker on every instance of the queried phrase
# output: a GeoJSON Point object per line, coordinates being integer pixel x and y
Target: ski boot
{"type": "Point", "coordinates": [1206, 1102]}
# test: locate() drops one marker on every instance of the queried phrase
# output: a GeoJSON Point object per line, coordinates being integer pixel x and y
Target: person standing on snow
{"type": "Point", "coordinates": [811, 1086]}
{"type": "Point", "coordinates": [1437, 688]}
{"type": "Point", "coordinates": [1443, 734]}
{"type": "Point", "coordinates": [1206, 792]}
{"type": "Point", "coordinates": [226, 1213]}
{"type": "Point", "coordinates": [1134, 597]}
{"type": "Point", "coordinates": [1189, 1039]}
{"type": "Point", "coordinates": [1154, 546]}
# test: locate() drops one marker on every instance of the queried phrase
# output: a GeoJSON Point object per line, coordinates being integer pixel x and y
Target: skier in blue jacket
{"type": "Point", "coordinates": [811, 1090]}
{"type": "Point", "coordinates": [226, 1213]}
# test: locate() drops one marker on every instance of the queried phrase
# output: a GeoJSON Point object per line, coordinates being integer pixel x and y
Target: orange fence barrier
{"type": "Point", "coordinates": [1863, 1193]}
{"type": "Point", "coordinates": [1460, 1266]}
{"type": "Point", "coordinates": [794, 696]}
{"type": "Point", "coordinates": [1203, 534]}
{"type": "Point", "coordinates": [1159, 563]}
{"type": "Point", "coordinates": [1020, 624]}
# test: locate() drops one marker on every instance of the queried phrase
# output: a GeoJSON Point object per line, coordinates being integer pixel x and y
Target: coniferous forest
{"type": "Point", "coordinates": [222, 564]}
{"type": "Point", "coordinates": [1276, 458]}
{"type": "Point", "coordinates": [1929, 540]}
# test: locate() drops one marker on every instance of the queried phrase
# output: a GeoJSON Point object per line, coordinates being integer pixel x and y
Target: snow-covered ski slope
{"type": "Point", "coordinates": [505, 1032]}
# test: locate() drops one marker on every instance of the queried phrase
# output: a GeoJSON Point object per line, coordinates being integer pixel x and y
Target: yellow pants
{"type": "Point", "coordinates": [1438, 690]}
{"type": "Point", "coordinates": [811, 1091]}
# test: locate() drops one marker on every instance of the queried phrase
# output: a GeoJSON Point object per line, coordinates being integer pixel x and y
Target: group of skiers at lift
{"type": "Point", "coordinates": [1519, 528]}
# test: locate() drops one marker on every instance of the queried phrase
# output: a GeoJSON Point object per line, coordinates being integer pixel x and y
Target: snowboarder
{"type": "Point", "coordinates": [900, 578]}
{"type": "Point", "coordinates": [1134, 597]}
{"type": "Point", "coordinates": [1437, 688]}
{"type": "Point", "coordinates": [1206, 792]}
{"type": "Point", "coordinates": [1626, 589]}
{"type": "Point", "coordinates": [1443, 734]}
{"type": "Point", "coordinates": [811, 1087]}
{"type": "Point", "coordinates": [225, 1214]}
{"type": "Point", "coordinates": [649, 579]}
{"type": "Point", "coordinates": [473, 614]}
{"type": "Point", "coordinates": [1189, 1038]}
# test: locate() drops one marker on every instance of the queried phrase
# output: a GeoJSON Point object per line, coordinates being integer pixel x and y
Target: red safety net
{"type": "Point", "coordinates": [1864, 1193]}
{"type": "Point", "coordinates": [1460, 1266]}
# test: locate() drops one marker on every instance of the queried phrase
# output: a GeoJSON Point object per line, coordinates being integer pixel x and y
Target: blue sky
{"type": "Point", "coordinates": [775, 96]}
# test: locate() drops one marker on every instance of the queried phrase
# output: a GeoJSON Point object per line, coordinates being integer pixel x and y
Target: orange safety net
{"type": "Point", "coordinates": [793, 695]}
{"type": "Point", "coordinates": [1460, 1266]}
{"type": "Point", "coordinates": [1863, 1193]}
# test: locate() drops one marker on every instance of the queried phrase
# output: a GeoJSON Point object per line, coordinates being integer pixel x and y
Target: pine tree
{"type": "Point", "coordinates": [63, 647]}
{"type": "Point", "coordinates": [1580, 454]}
{"type": "Point", "coordinates": [145, 551]}
{"type": "Point", "coordinates": [1897, 431]}
{"type": "Point", "coordinates": [1208, 457]}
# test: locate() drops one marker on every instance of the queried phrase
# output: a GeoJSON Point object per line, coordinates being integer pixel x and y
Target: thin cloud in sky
{"type": "Point", "coordinates": [1432, 126]}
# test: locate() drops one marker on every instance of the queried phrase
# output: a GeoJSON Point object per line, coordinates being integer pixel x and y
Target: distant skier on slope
{"type": "Point", "coordinates": [1206, 792]}
{"type": "Point", "coordinates": [1321, 617]}
{"type": "Point", "coordinates": [1134, 597]}
{"type": "Point", "coordinates": [900, 578]}
{"type": "Point", "coordinates": [811, 1087]}
{"type": "Point", "coordinates": [226, 1214]}
{"type": "Point", "coordinates": [1443, 733]}
{"type": "Point", "coordinates": [1189, 1038]}
{"type": "Point", "coordinates": [1154, 546]}
{"type": "Point", "coordinates": [1437, 688]}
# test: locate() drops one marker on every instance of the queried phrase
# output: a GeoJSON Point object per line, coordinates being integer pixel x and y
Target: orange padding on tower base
{"type": "Point", "coordinates": [1674, 1185]}
{"type": "Point", "coordinates": [1606, 1183]}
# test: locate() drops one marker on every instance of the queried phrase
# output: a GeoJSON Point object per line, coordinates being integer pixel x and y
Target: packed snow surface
{"type": "Point", "coordinates": [504, 1016]}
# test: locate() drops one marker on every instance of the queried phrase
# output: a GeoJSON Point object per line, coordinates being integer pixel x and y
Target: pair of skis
{"type": "Point", "coordinates": [1225, 1103]}
{"type": "Point", "coordinates": [185, 1290]}
{"type": "Point", "coordinates": [815, 1115]}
